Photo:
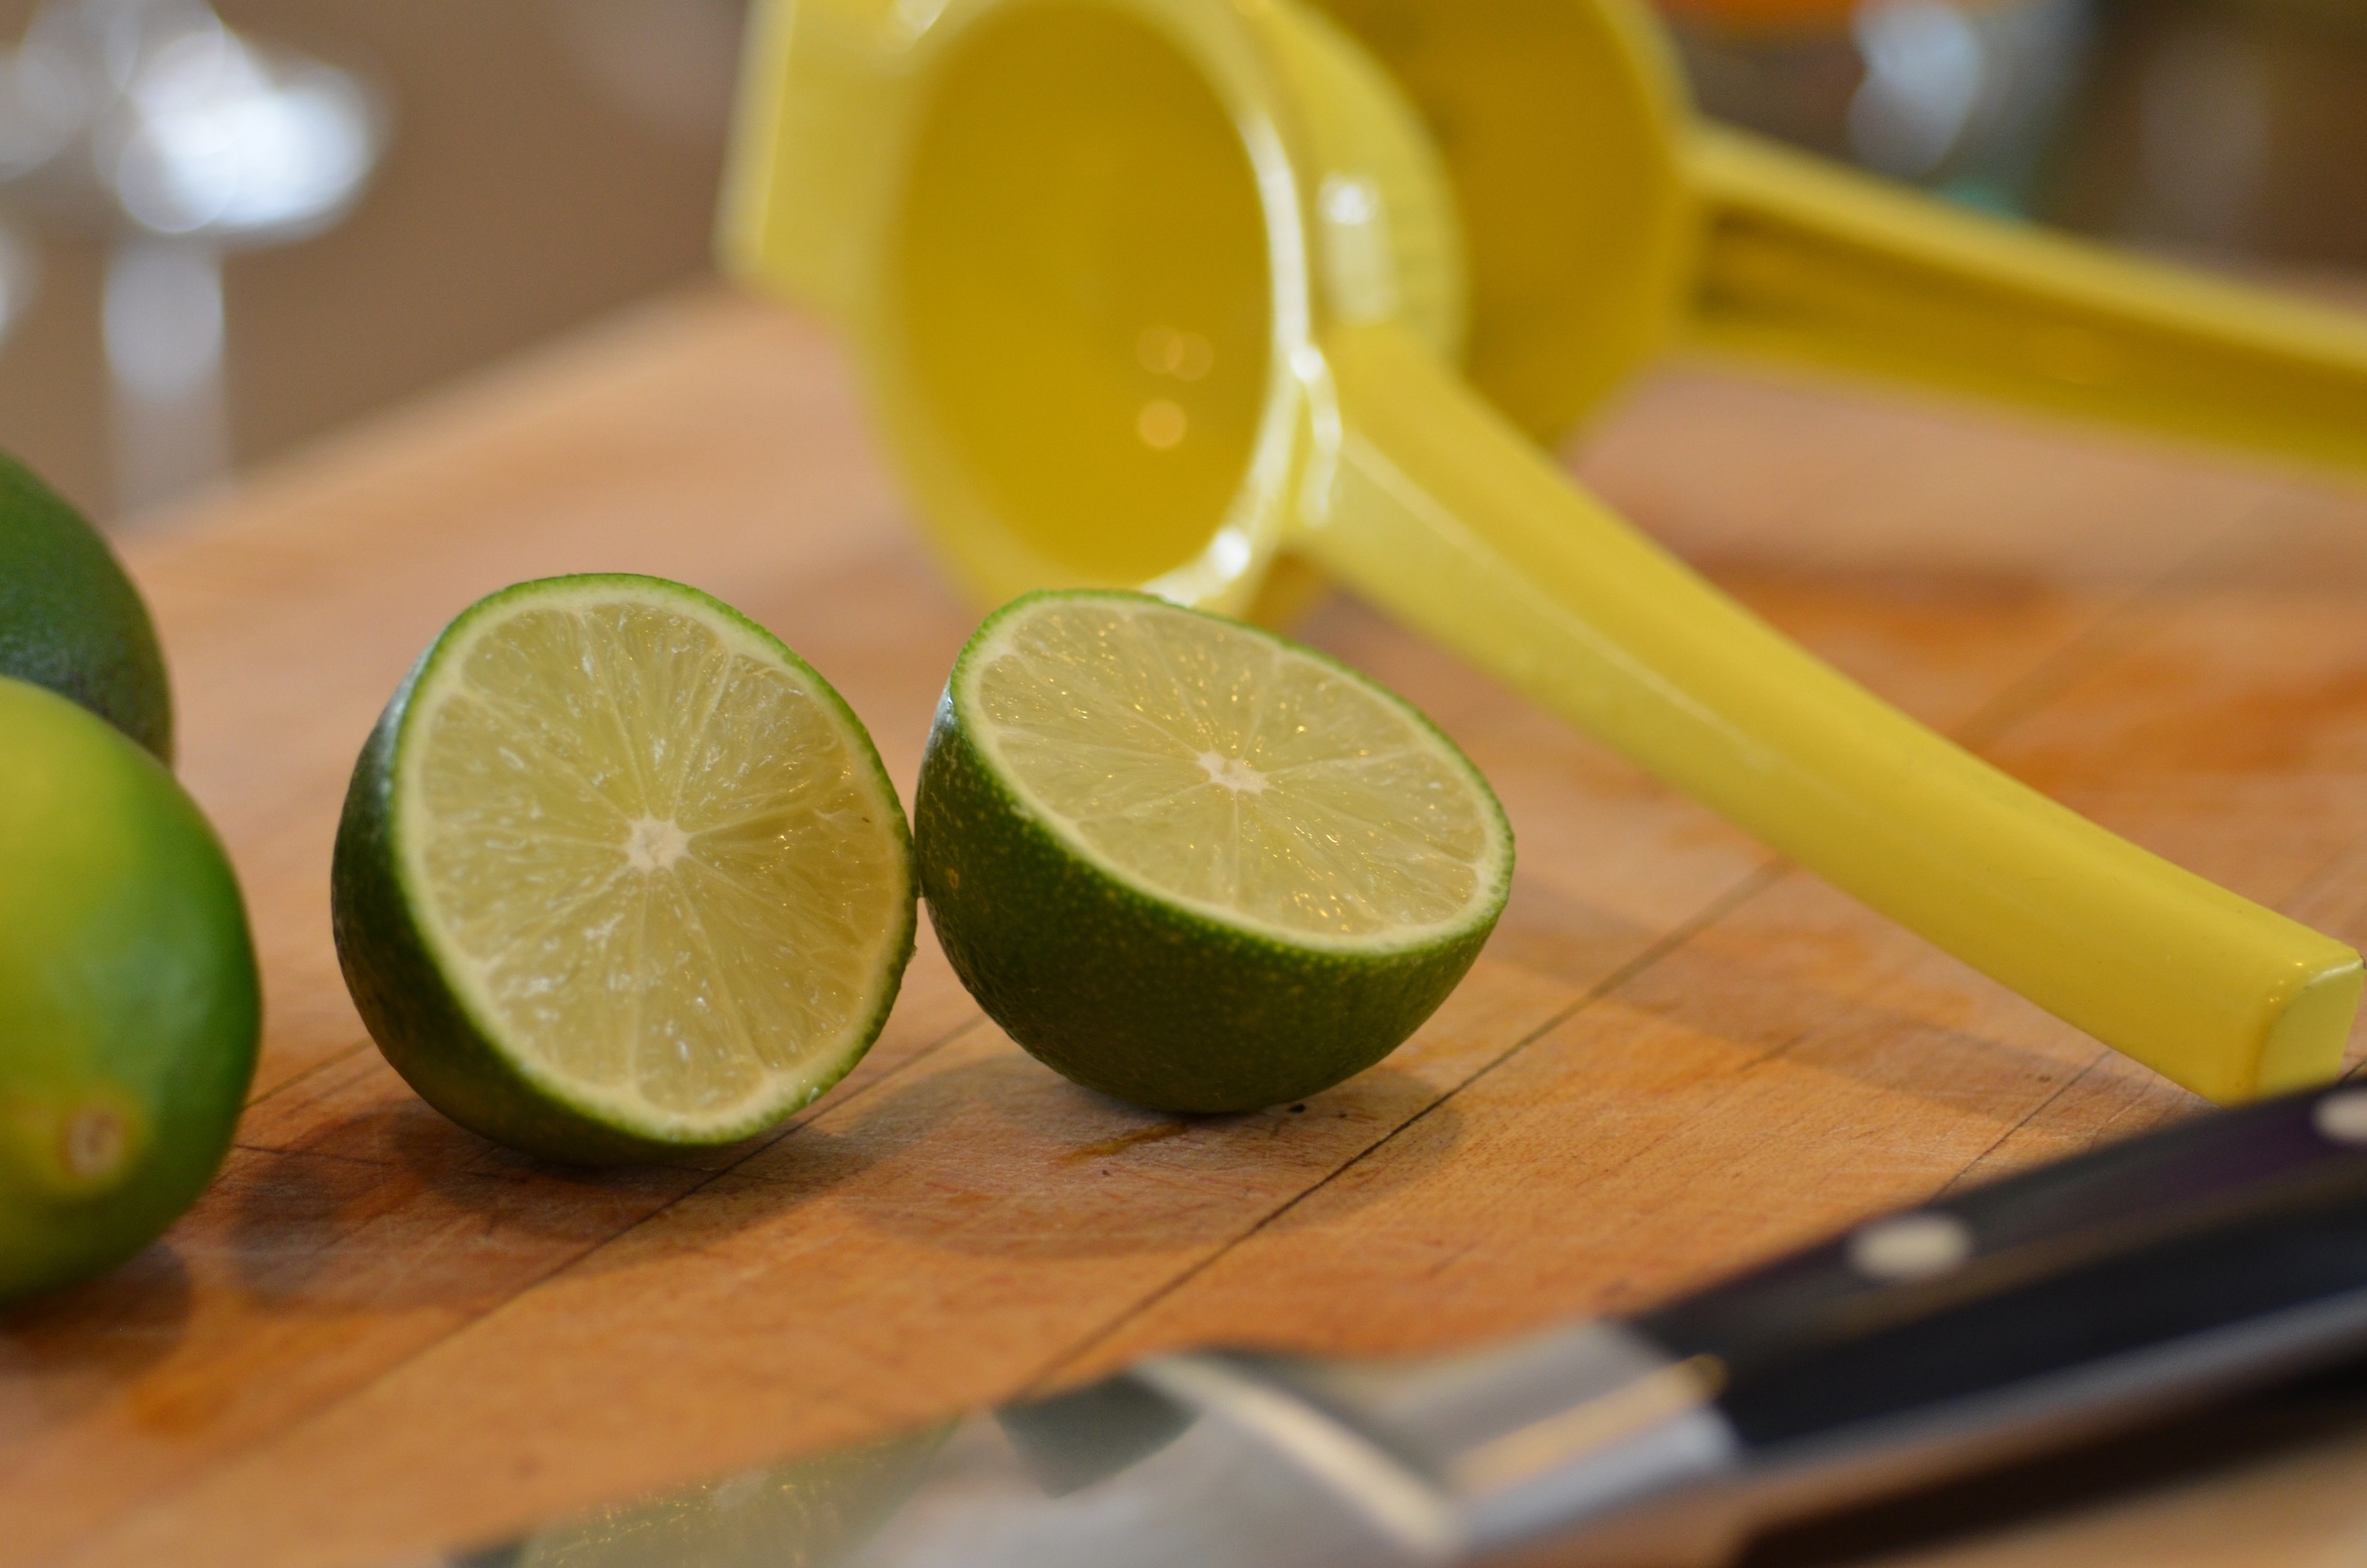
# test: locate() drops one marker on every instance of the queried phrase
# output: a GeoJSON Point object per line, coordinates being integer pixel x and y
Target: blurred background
{"type": "Point", "coordinates": [530, 164]}
{"type": "Point", "coordinates": [225, 229]}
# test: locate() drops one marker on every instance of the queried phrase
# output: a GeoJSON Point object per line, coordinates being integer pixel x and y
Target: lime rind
{"type": "Point", "coordinates": [433, 999]}
{"type": "Point", "coordinates": [1487, 834]}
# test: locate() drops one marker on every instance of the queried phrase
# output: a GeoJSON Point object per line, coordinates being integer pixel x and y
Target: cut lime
{"type": "Point", "coordinates": [619, 874]}
{"type": "Point", "coordinates": [1192, 865]}
{"type": "Point", "coordinates": [69, 618]}
{"type": "Point", "coordinates": [129, 1005]}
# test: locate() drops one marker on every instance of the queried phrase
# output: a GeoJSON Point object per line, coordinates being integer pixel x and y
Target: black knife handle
{"type": "Point", "coordinates": [2227, 1225]}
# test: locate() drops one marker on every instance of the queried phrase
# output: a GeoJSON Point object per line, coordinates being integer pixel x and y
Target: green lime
{"type": "Point", "coordinates": [129, 1005]}
{"type": "Point", "coordinates": [620, 875]}
{"type": "Point", "coordinates": [69, 618]}
{"type": "Point", "coordinates": [1190, 864]}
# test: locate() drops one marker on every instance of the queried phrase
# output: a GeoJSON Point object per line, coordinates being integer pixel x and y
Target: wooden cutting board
{"type": "Point", "coordinates": [377, 1332]}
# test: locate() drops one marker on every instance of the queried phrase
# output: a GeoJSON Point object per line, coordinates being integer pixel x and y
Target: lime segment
{"type": "Point", "coordinates": [1236, 773]}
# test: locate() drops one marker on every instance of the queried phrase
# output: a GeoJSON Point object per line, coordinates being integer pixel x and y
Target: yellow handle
{"type": "Point", "coordinates": [1444, 514]}
{"type": "Point", "coordinates": [1806, 261]}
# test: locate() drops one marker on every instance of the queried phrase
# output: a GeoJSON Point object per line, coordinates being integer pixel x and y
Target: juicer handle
{"type": "Point", "coordinates": [1447, 516]}
{"type": "Point", "coordinates": [1805, 261]}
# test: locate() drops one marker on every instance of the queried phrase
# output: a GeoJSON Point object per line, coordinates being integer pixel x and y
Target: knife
{"type": "Point", "coordinates": [2223, 1253]}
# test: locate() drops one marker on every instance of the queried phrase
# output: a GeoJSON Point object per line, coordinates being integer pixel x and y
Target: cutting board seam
{"type": "Point", "coordinates": [164, 1497]}
{"type": "Point", "coordinates": [2141, 613]}
{"type": "Point", "coordinates": [303, 1076]}
{"type": "Point", "coordinates": [1747, 887]}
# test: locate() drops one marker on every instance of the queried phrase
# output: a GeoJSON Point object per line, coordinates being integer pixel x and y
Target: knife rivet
{"type": "Point", "coordinates": [1911, 1246]}
{"type": "Point", "coordinates": [2342, 1117]}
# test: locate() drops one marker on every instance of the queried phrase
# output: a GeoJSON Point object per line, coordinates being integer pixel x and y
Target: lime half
{"type": "Point", "coordinates": [619, 874]}
{"type": "Point", "coordinates": [1192, 865]}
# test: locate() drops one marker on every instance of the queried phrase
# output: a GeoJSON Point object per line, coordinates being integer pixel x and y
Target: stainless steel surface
{"type": "Point", "coordinates": [1528, 1438]}
{"type": "Point", "coordinates": [1218, 1459]}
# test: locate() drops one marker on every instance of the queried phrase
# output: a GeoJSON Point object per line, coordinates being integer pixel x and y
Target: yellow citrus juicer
{"type": "Point", "coordinates": [1156, 292]}
{"type": "Point", "coordinates": [1603, 223]}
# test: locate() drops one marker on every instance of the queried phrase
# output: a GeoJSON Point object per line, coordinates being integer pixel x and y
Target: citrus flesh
{"type": "Point", "coordinates": [70, 620]}
{"type": "Point", "coordinates": [1191, 864]}
{"type": "Point", "coordinates": [129, 1002]}
{"type": "Point", "coordinates": [620, 874]}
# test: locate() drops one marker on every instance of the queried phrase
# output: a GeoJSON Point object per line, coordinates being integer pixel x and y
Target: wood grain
{"type": "Point", "coordinates": [378, 1333]}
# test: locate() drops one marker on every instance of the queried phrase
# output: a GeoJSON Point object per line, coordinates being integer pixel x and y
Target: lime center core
{"type": "Point", "coordinates": [1231, 773]}
{"type": "Point", "coordinates": [654, 844]}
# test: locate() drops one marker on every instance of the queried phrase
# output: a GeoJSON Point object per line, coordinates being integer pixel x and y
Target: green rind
{"type": "Point", "coordinates": [135, 974]}
{"type": "Point", "coordinates": [1132, 995]}
{"type": "Point", "coordinates": [70, 620]}
{"type": "Point", "coordinates": [423, 1025]}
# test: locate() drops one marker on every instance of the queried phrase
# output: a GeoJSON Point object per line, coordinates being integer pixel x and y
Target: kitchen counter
{"type": "Point", "coordinates": [377, 1332]}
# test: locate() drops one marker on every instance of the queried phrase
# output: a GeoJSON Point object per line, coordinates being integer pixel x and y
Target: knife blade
{"type": "Point", "coordinates": [2038, 1311]}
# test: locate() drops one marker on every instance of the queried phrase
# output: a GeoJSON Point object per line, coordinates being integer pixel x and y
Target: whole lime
{"type": "Point", "coordinates": [1190, 864]}
{"type": "Point", "coordinates": [128, 1004]}
{"type": "Point", "coordinates": [70, 620]}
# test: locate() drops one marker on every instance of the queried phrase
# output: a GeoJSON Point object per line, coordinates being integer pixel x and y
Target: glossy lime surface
{"type": "Point", "coordinates": [128, 1001]}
